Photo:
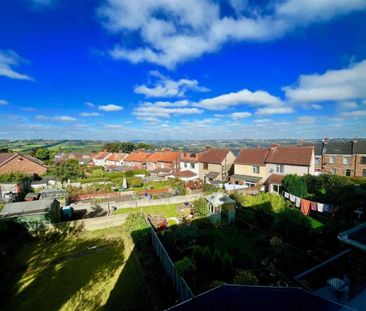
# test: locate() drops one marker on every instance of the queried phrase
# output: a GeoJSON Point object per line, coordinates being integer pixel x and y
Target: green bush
{"type": "Point", "coordinates": [216, 263]}
{"type": "Point", "coordinates": [198, 257]}
{"type": "Point", "coordinates": [134, 182]}
{"type": "Point", "coordinates": [247, 215]}
{"type": "Point", "coordinates": [227, 268]}
{"type": "Point", "coordinates": [295, 185]}
{"type": "Point", "coordinates": [199, 207]}
{"type": "Point", "coordinates": [245, 278]}
{"type": "Point", "coordinates": [15, 177]}
{"type": "Point", "coordinates": [186, 268]}
{"type": "Point", "coordinates": [292, 226]}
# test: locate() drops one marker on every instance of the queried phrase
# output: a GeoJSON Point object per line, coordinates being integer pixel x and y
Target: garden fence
{"type": "Point", "coordinates": [180, 284]}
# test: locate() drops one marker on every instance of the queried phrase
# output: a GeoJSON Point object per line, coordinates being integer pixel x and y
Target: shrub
{"type": "Point", "coordinates": [295, 185]}
{"type": "Point", "coordinates": [186, 268]}
{"type": "Point", "coordinates": [198, 257]}
{"type": "Point", "coordinates": [292, 226]}
{"type": "Point", "coordinates": [134, 182]}
{"type": "Point", "coordinates": [227, 268]}
{"type": "Point", "coordinates": [207, 258]}
{"type": "Point", "coordinates": [200, 207]}
{"type": "Point", "coordinates": [247, 215]}
{"type": "Point", "coordinates": [245, 278]}
{"type": "Point", "coordinates": [216, 263]}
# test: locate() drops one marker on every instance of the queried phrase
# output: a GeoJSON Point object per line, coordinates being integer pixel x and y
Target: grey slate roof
{"type": "Point", "coordinates": [359, 147]}
{"type": "Point", "coordinates": [246, 177]}
{"type": "Point", "coordinates": [26, 208]}
{"type": "Point", "coordinates": [219, 198]}
{"type": "Point", "coordinates": [338, 147]}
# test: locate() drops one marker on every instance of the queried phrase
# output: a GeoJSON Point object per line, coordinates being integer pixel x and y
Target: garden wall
{"type": "Point", "coordinates": [146, 202]}
{"type": "Point", "coordinates": [97, 222]}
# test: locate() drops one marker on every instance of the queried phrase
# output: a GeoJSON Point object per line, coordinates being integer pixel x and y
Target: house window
{"type": "Point", "coordinates": [276, 188]}
{"type": "Point", "coordinates": [205, 166]}
{"type": "Point", "coordinates": [364, 173]}
{"type": "Point", "coordinates": [162, 165]}
{"type": "Point", "coordinates": [317, 161]}
{"type": "Point", "coordinates": [280, 168]}
{"type": "Point", "coordinates": [332, 159]}
{"type": "Point", "coordinates": [333, 171]}
{"type": "Point", "coordinates": [346, 160]}
{"type": "Point", "coordinates": [185, 165]}
{"type": "Point", "coordinates": [192, 165]}
{"type": "Point", "coordinates": [348, 173]}
{"type": "Point", "coordinates": [363, 160]}
{"type": "Point", "coordinates": [256, 169]}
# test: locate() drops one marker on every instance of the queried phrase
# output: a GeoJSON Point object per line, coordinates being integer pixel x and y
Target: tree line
{"type": "Point", "coordinates": [127, 147]}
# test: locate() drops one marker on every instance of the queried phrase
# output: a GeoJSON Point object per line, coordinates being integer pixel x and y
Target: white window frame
{"type": "Point", "coordinates": [332, 159]}
{"type": "Point", "coordinates": [333, 171]}
{"type": "Point", "coordinates": [346, 160]}
{"type": "Point", "coordinates": [280, 168]}
{"type": "Point", "coordinates": [317, 160]}
{"type": "Point", "coordinates": [255, 169]}
{"type": "Point", "coordinates": [193, 165]}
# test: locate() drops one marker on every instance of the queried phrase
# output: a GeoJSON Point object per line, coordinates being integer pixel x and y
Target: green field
{"type": "Point", "coordinates": [98, 270]}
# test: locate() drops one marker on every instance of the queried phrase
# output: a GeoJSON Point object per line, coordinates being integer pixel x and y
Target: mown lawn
{"type": "Point", "coordinates": [316, 224]}
{"type": "Point", "coordinates": [168, 210]}
{"type": "Point", "coordinates": [97, 270]}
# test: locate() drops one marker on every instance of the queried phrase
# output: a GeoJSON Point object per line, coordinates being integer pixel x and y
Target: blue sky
{"type": "Point", "coordinates": [172, 69]}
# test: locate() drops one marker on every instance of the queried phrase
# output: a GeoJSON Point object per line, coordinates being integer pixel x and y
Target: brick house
{"type": "Point", "coordinates": [338, 158]}
{"type": "Point", "coordinates": [166, 160]}
{"type": "Point", "coordinates": [359, 151]}
{"type": "Point", "coordinates": [116, 159]}
{"type": "Point", "coordinates": [137, 159]}
{"type": "Point", "coordinates": [17, 162]}
{"type": "Point", "coordinates": [100, 158]}
{"type": "Point", "coordinates": [189, 161]}
{"type": "Point", "coordinates": [215, 165]}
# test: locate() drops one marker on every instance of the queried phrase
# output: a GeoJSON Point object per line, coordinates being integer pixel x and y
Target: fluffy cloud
{"type": "Point", "coordinates": [3, 102]}
{"type": "Point", "coordinates": [257, 98]}
{"type": "Point", "coordinates": [240, 115]}
{"type": "Point", "coordinates": [110, 108]}
{"type": "Point", "coordinates": [354, 114]}
{"type": "Point", "coordinates": [153, 111]}
{"type": "Point", "coordinates": [9, 60]}
{"type": "Point", "coordinates": [175, 31]}
{"type": "Point", "coordinates": [89, 104]}
{"type": "Point", "coordinates": [166, 87]}
{"type": "Point", "coordinates": [56, 118]}
{"type": "Point", "coordinates": [89, 114]}
{"type": "Point", "coordinates": [274, 110]}
{"type": "Point", "coordinates": [347, 105]}
{"type": "Point", "coordinates": [316, 106]}
{"type": "Point", "coordinates": [333, 85]}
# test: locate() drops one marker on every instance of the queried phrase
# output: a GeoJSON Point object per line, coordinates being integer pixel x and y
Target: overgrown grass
{"type": "Point", "coordinates": [97, 270]}
{"type": "Point", "coordinates": [168, 210]}
{"type": "Point", "coordinates": [316, 225]}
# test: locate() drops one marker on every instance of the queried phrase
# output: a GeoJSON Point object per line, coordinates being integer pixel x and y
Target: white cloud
{"type": "Point", "coordinates": [89, 104]}
{"type": "Point", "coordinates": [316, 106]}
{"type": "Point", "coordinates": [347, 105]}
{"type": "Point", "coordinates": [3, 102]}
{"type": "Point", "coordinates": [110, 108]}
{"type": "Point", "coordinates": [306, 120]}
{"type": "Point", "coordinates": [240, 115]}
{"type": "Point", "coordinates": [184, 30]}
{"type": "Point", "coordinates": [257, 98]}
{"type": "Point", "coordinates": [56, 118]}
{"type": "Point", "coordinates": [89, 114]}
{"type": "Point", "coordinates": [8, 60]}
{"type": "Point", "coordinates": [355, 113]}
{"type": "Point", "coordinates": [153, 111]}
{"type": "Point", "coordinates": [166, 87]}
{"type": "Point", "coordinates": [274, 110]}
{"type": "Point", "coordinates": [262, 121]}
{"type": "Point", "coordinates": [333, 85]}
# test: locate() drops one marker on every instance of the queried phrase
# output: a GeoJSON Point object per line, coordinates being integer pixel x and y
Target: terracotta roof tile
{"type": "Point", "coordinates": [185, 174]}
{"type": "Point", "coordinates": [215, 156]}
{"type": "Point", "coordinates": [154, 157]}
{"type": "Point", "coordinates": [101, 155]}
{"type": "Point", "coordinates": [292, 155]}
{"type": "Point", "coordinates": [137, 157]}
{"type": "Point", "coordinates": [117, 156]}
{"type": "Point", "coordinates": [169, 156]}
{"type": "Point", "coordinates": [275, 179]}
{"type": "Point", "coordinates": [252, 156]}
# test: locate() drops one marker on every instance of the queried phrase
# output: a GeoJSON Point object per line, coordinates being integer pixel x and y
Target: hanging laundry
{"type": "Point", "coordinates": [292, 198]}
{"type": "Point", "coordinates": [305, 207]}
{"type": "Point", "coordinates": [326, 208]}
{"type": "Point", "coordinates": [297, 201]}
{"type": "Point", "coordinates": [320, 207]}
{"type": "Point", "coordinates": [287, 195]}
{"type": "Point", "coordinates": [314, 206]}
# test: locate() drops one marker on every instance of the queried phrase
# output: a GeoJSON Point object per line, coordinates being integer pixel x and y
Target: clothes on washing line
{"type": "Point", "coordinates": [314, 206]}
{"type": "Point", "coordinates": [292, 198]}
{"type": "Point", "coordinates": [305, 207]}
{"type": "Point", "coordinates": [320, 207]}
{"type": "Point", "coordinates": [297, 201]}
{"type": "Point", "coordinates": [326, 208]}
{"type": "Point", "coordinates": [287, 195]}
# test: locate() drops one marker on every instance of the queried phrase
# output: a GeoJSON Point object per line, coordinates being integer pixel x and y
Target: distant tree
{"type": "Point", "coordinates": [69, 169]}
{"type": "Point", "coordinates": [42, 154]}
{"type": "Point", "coordinates": [5, 150]}
{"type": "Point", "coordinates": [144, 146]}
{"type": "Point", "coordinates": [200, 207]}
{"type": "Point", "coordinates": [295, 185]}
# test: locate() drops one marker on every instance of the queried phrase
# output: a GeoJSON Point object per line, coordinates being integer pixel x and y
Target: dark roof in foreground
{"type": "Point", "coordinates": [240, 297]}
{"type": "Point", "coordinates": [337, 147]}
{"type": "Point", "coordinates": [26, 208]}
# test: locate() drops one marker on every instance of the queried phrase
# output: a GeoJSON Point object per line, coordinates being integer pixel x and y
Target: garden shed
{"type": "Point", "coordinates": [33, 214]}
{"type": "Point", "coordinates": [220, 208]}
